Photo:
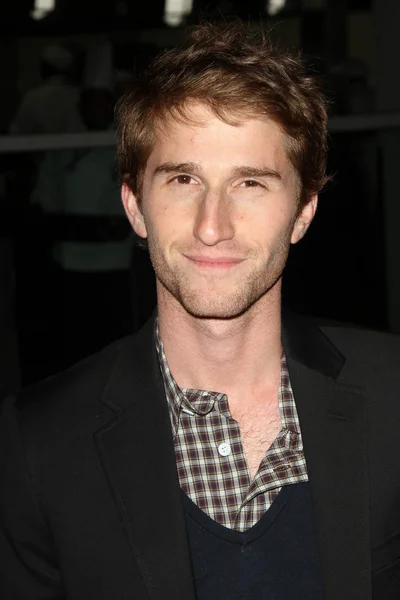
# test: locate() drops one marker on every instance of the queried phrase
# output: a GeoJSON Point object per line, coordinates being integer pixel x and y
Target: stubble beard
{"type": "Point", "coordinates": [214, 301]}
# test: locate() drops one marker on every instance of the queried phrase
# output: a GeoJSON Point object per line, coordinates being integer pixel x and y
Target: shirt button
{"type": "Point", "coordinates": [224, 449]}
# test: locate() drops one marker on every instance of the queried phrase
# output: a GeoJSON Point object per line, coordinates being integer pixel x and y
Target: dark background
{"type": "Point", "coordinates": [346, 267]}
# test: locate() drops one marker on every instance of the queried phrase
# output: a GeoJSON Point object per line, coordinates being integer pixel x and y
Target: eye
{"type": "Point", "coordinates": [250, 183]}
{"type": "Point", "coordinates": [184, 180]}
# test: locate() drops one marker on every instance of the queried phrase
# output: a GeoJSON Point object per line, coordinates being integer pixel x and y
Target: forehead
{"type": "Point", "coordinates": [203, 135]}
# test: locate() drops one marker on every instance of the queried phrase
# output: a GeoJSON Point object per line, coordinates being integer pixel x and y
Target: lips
{"type": "Point", "coordinates": [215, 261]}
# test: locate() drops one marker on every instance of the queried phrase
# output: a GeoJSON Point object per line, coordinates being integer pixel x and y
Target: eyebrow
{"type": "Point", "coordinates": [169, 167]}
{"type": "Point", "coordinates": [257, 172]}
{"type": "Point", "coordinates": [241, 171]}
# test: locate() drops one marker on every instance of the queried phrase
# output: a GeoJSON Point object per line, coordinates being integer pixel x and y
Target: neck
{"type": "Point", "coordinates": [223, 355]}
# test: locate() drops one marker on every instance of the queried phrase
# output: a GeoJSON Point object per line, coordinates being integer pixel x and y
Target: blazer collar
{"type": "Point", "coordinates": [306, 343]}
{"type": "Point", "coordinates": [136, 370]}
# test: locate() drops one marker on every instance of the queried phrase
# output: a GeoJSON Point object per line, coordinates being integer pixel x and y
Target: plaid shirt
{"type": "Point", "coordinates": [210, 459]}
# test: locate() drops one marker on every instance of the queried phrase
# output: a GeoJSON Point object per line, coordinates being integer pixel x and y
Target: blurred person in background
{"type": "Point", "coordinates": [49, 108]}
{"type": "Point", "coordinates": [52, 106]}
{"type": "Point", "coordinates": [78, 191]}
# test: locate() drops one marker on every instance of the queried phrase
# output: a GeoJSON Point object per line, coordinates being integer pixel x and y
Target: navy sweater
{"type": "Point", "coordinates": [276, 559]}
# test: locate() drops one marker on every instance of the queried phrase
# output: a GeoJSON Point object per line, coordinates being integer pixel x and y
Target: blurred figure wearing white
{"type": "Point", "coordinates": [80, 193]}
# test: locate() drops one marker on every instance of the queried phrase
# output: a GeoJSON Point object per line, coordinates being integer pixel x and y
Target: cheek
{"type": "Point", "coordinates": [169, 221]}
{"type": "Point", "coordinates": [264, 226]}
{"type": "Point", "coordinates": [163, 227]}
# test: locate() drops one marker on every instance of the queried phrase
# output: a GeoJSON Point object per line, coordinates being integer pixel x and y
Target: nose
{"type": "Point", "coordinates": [213, 223]}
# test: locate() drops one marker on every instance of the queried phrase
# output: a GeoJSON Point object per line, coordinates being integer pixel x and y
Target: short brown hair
{"type": "Point", "coordinates": [236, 73]}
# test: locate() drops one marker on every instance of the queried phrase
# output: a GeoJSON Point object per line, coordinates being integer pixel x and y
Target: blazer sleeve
{"type": "Point", "coordinates": [28, 562]}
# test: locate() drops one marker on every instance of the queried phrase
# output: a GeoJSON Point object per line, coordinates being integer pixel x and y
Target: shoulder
{"type": "Point", "coordinates": [81, 397]}
{"type": "Point", "coordinates": [341, 349]}
{"type": "Point", "coordinates": [361, 344]}
{"type": "Point", "coordinates": [58, 419]}
{"type": "Point", "coordinates": [71, 396]}
{"type": "Point", "coordinates": [371, 358]}
{"type": "Point", "coordinates": [349, 336]}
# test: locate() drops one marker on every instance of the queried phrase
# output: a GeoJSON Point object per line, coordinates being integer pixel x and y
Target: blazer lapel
{"type": "Point", "coordinates": [334, 428]}
{"type": "Point", "coordinates": [136, 450]}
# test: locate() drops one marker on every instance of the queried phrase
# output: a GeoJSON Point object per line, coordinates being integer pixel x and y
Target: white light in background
{"type": "Point", "coordinates": [176, 10]}
{"type": "Point", "coordinates": [42, 8]}
{"type": "Point", "coordinates": [275, 6]}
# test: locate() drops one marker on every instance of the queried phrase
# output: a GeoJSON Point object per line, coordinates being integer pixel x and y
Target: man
{"type": "Point", "coordinates": [219, 453]}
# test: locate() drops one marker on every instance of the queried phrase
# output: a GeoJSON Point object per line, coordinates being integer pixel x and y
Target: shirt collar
{"type": "Point", "coordinates": [202, 402]}
{"type": "Point", "coordinates": [287, 405]}
{"type": "Point", "coordinates": [199, 402]}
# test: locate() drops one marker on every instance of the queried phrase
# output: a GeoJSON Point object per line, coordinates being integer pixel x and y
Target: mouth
{"type": "Point", "coordinates": [217, 262]}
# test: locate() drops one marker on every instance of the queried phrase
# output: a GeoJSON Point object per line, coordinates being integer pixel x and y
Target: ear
{"type": "Point", "coordinates": [133, 212]}
{"type": "Point", "coordinates": [304, 218]}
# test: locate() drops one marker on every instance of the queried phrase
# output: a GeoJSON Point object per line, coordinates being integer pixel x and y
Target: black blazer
{"type": "Point", "coordinates": [90, 500]}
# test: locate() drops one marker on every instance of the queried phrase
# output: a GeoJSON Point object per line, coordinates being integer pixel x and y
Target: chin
{"type": "Point", "coordinates": [221, 307]}
{"type": "Point", "coordinates": [226, 300]}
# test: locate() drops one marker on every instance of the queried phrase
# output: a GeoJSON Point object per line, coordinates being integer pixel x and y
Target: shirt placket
{"type": "Point", "coordinates": [231, 460]}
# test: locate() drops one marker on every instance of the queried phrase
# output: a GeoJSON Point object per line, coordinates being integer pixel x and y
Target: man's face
{"type": "Point", "coordinates": [220, 209]}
